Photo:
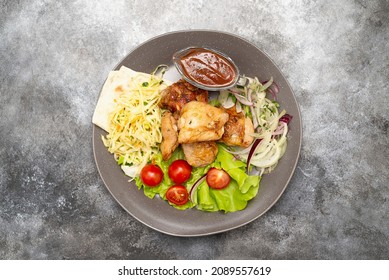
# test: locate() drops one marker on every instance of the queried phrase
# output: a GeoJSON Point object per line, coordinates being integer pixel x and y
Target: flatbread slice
{"type": "Point", "coordinates": [115, 85]}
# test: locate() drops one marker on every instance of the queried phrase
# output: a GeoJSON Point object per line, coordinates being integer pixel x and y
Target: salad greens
{"type": "Point", "coordinates": [234, 197]}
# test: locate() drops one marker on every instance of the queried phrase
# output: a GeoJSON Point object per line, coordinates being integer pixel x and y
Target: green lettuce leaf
{"type": "Point", "coordinates": [234, 197]}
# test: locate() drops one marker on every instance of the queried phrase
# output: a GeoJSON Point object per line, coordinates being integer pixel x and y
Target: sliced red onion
{"type": "Point", "coordinates": [249, 95]}
{"type": "Point", "coordinates": [254, 117]}
{"type": "Point", "coordinates": [195, 186]}
{"type": "Point", "coordinates": [251, 153]}
{"type": "Point", "coordinates": [266, 84]}
{"type": "Point", "coordinates": [280, 129]}
{"type": "Point", "coordinates": [234, 91]}
{"type": "Point", "coordinates": [286, 118]}
{"type": "Point", "coordinates": [242, 99]}
{"type": "Point", "coordinates": [269, 90]}
{"type": "Point", "coordinates": [273, 89]}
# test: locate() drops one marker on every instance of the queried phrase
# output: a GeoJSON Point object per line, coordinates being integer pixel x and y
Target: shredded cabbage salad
{"type": "Point", "coordinates": [135, 131]}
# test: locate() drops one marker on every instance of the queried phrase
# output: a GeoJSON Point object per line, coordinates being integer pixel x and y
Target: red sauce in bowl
{"type": "Point", "coordinates": [208, 68]}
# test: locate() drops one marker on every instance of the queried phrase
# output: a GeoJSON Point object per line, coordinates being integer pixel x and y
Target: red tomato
{"type": "Point", "coordinates": [151, 175]}
{"type": "Point", "coordinates": [180, 171]}
{"type": "Point", "coordinates": [177, 195]}
{"type": "Point", "coordinates": [217, 178]}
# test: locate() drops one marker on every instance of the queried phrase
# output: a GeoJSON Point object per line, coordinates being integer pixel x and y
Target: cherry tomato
{"type": "Point", "coordinates": [151, 175]}
{"type": "Point", "coordinates": [180, 171]}
{"type": "Point", "coordinates": [177, 195]}
{"type": "Point", "coordinates": [217, 178]}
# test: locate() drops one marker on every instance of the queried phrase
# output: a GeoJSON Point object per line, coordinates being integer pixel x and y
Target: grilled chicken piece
{"type": "Point", "coordinates": [169, 135]}
{"type": "Point", "coordinates": [234, 128]}
{"type": "Point", "coordinates": [201, 122]}
{"type": "Point", "coordinates": [200, 153]}
{"type": "Point", "coordinates": [178, 94]}
{"type": "Point", "coordinates": [248, 132]}
{"type": "Point", "coordinates": [237, 130]}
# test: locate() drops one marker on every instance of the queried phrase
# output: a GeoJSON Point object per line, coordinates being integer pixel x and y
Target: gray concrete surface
{"type": "Point", "coordinates": [54, 57]}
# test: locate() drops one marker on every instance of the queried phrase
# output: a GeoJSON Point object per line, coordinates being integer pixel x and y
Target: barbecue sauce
{"type": "Point", "coordinates": [208, 68]}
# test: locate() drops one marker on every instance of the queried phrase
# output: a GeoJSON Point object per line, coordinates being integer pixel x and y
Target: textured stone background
{"type": "Point", "coordinates": [54, 57]}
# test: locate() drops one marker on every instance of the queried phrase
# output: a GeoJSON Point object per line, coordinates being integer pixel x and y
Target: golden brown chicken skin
{"type": "Point", "coordinates": [234, 128]}
{"type": "Point", "coordinates": [178, 94]}
{"type": "Point", "coordinates": [248, 132]}
{"type": "Point", "coordinates": [238, 129]}
{"type": "Point", "coordinates": [201, 122]}
{"type": "Point", "coordinates": [169, 135]}
{"type": "Point", "coordinates": [200, 153]}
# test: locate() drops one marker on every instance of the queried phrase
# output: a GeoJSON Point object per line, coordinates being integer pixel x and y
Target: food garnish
{"type": "Point", "coordinates": [151, 175]}
{"type": "Point", "coordinates": [217, 178]}
{"type": "Point", "coordinates": [180, 171]}
{"type": "Point", "coordinates": [178, 195]}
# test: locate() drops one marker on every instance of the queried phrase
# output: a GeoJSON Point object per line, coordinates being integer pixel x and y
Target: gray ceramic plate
{"type": "Point", "coordinates": [156, 213]}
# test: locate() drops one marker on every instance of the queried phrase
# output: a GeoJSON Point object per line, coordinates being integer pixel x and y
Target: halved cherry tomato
{"type": "Point", "coordinates": [177, 195]}
{"type": "Point", "coordinates": [217, 178]}
{"type": "Point", "coordinates": [179, 171]}
{"type": "Point", "coordinates": [151, 175]}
